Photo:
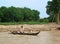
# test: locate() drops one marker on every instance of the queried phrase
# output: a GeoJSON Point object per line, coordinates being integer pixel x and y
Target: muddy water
{"type": "Point", "coordinates": [44, 37]}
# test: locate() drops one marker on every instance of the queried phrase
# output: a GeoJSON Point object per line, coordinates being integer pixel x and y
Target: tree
{"type": "Point", "coordinates": [53, 9]}
{"type": "Point", "coordinates": [16, 14]}
{"type": "Point", "coordinates": [31, 15]}
{"type": "Point", "coordinates": [44, 20]}
{"type": "Point", "coordinates": [36, 15]}
{"type": "Point", "coordinates": [3, 11]}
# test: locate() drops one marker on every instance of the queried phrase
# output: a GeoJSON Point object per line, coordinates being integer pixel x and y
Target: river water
{"type": "Point", "coordinates": [44, 37]}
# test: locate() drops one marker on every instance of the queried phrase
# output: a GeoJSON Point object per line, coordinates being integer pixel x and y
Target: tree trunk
{"type": "Point", "coordinates": [53, 18]}
{"type": "Point", "coordinates": [58, 19]}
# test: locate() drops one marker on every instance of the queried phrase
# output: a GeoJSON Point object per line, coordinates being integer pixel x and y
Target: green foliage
{"type": "Point", "coordinates": [17, 23]}
{"type": "Point", "coordinates": [44, 20]}
{"type": "Point", "coordinates": [53, 9]}
{"type": "Point", "coordinates": [16, 14]}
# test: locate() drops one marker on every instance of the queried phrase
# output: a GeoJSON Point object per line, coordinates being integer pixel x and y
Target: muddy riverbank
{"type": "Point", "coordinates": [48, 34]}
{"type": "Point", "coordinates": [43, 27]}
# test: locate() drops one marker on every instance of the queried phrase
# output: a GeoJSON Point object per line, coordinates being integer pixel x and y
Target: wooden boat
{"type": "Point", "coordinates": [22, 32]}
{"type": "Point", "coordinates": [26, 33]}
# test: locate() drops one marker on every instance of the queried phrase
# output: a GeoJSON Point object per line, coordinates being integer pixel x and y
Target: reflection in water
{"type": "Point", "coordinates": [44, 37]}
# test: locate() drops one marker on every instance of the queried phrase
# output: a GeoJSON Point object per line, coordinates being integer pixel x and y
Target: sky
{"type": "Point", "coordinates": [39, 5]}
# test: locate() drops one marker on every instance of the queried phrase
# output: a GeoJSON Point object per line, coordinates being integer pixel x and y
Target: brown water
{"type": "Point", "coordinates": [45, 37]}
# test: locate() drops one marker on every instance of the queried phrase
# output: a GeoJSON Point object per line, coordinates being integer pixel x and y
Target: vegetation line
{"type": "Point", "coordinates": [17, 23]}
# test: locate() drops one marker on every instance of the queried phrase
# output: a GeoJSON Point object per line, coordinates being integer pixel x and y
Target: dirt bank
{"type": "Point", "coordinates": [43, 27]}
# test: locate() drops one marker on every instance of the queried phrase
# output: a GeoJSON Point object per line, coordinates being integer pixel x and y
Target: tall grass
{"type": "Point", "coordinates": [17, 23]}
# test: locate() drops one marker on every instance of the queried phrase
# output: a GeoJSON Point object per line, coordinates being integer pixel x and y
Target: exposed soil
{"type": "Point", "coordinates": [43, 27]}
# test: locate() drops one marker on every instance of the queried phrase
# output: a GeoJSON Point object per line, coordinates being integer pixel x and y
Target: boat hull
{"type": "Point", "coordinates": [26, 33]}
